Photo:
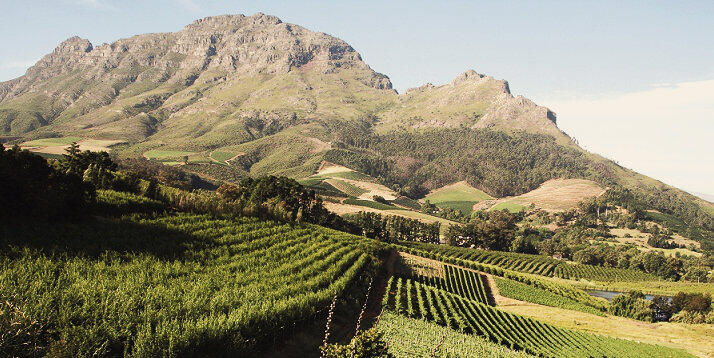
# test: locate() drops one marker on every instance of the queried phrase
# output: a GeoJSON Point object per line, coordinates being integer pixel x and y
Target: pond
{"type": "Point", "coordinates": [609, 295]}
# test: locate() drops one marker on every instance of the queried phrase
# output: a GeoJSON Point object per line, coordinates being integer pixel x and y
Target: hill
{"type": "Point", "coordinates": [282, 99]}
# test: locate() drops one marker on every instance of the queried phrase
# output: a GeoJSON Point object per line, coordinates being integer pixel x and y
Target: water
{"type": "Point", "coordinates": [609, 295]}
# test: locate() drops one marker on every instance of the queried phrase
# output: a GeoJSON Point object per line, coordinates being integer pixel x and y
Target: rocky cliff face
{"type": "Point", "coordinates": [470, 100]}
{"type": "Point", "coordinates": [219, 68]}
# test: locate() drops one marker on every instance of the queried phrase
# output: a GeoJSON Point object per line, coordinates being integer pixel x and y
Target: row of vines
{"type": "Point", "coordinates": [174, 285]}
{"type": "Point", "coordinates": [419, 300]}
{"type": "Point", "coordinates": [535, 264]}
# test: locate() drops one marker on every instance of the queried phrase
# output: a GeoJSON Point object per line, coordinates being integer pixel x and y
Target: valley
{"type": "Point", "coordinates": [249, 187]}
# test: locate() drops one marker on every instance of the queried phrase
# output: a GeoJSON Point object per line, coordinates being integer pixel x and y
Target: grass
{"type": "Point", "coordinates": [410, 337]}
{"type": "Point", "coordinates": [370, 204]}
{"type": "Point", "coordinates": [695, 339]}
{"type": "Point", "coordinates": [510, 206]}
{"type": "Point", "coordinates": [457, 192]}
{"type": "Point", "coordinates": [221, 156]}
{"type": "Point", "coordinates": [466, 207]}
{"type": "Point", "coordinates": [557, 194]}
{"type": "Point", "coordinates": [46, 142]}
{"type": "Point", "coordinates": [166, 154]}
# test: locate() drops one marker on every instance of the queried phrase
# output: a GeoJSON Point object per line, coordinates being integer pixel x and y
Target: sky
{"type": "Point", "coordinates": [631, 80]}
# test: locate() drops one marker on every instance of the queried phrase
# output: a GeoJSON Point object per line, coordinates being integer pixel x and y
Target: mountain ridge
{"type": "Point", "coordinates": [271, 90]}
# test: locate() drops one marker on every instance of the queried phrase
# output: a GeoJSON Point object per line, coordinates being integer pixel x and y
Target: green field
{"type": "Point", "coordinates": [511, 207]}
{"type": "Point", "coordinates": [222, 156]}
{"type": "Point", "coordinates": [47, 142]}
{"type": "Point", "coordinates": [466, 207]}
{"type": "Point", "coordinates": [460, 191]}
{"type": "Point", "coordinates": [410, 337]}
{"type": "Point", "coordinates": [166, 154]}
{"type": "Point", "coordinates": [176, 285]}
{"type": "Point", "coordinates": [458, 196]}
{"type": "Point", "coordinates": [369, 204]}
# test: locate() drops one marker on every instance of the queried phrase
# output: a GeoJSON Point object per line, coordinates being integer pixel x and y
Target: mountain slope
{"type": "Point", "coordinates": [285, 99]}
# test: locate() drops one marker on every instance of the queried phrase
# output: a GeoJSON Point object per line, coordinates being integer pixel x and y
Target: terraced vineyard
{"type": "Point", "coordinates": [534, 264]}
{"type": "Point", "coordinates": [418, 300]}
{"type": "Point", "coordinates": [176, 285]}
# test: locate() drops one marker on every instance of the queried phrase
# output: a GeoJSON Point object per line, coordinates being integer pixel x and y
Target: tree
{"type": "Point", "coordinates": [32, 188]}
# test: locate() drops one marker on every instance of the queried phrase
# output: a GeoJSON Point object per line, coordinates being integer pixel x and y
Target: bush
{"type": "Point", "coordinates": [366, 344]}
{"type": "Point", "coordinates": [632, 305]}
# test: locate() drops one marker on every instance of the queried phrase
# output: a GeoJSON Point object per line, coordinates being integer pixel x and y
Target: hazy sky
{"type": "Point", "coordinates": [632, 80]}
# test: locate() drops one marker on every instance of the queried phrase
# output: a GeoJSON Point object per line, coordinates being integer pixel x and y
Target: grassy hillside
{"type": "Point", "coordinates": [459, 196]}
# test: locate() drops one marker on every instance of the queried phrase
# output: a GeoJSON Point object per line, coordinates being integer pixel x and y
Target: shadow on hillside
{"type": "Point", "coordinates": [95, 237]}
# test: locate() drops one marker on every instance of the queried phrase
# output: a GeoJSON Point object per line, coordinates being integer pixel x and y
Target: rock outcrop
{"type": "Point", "coordinates": [218, 67]}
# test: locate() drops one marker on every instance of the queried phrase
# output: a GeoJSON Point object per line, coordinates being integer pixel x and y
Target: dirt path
{"type": "Point", "coordinates": [379, 289]}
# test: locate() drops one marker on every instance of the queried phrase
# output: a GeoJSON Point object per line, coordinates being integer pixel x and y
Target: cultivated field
{"type": "Point", "coordinates": [59, 145]}
{"type": "Point", "coordinates": [553, 195]}
{"type": "Point", "coordinates": [176, 285]}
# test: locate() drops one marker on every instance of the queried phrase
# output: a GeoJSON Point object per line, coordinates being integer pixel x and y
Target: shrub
{"type": "Point", "coordinates": [366, 344]}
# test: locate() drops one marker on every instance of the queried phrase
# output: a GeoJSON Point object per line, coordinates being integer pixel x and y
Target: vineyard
{"type": "Point", "coordinates": [409, 337]}
{"type": "Point", "coordinates": [418, 300]}
{"type": "Point", "coordinates": [465, 283]}
{"type": "Point", "coordinates": [533, 264]}
{"type": "Point", "coordinates": [175, 285]}
{"type": "Point", "coordinates": [523, 292]}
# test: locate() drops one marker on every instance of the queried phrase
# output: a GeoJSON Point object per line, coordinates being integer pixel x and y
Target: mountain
{"type": "Point", "coordinates": [267, 97]}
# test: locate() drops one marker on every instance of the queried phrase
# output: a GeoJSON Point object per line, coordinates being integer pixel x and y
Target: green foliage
{"type": "Point", "coordinates": [533, 264]}
{"type": "Point", "coordinates": [523, 292]}
{"type": "Point", "coordinates": [178, 285]}
{"type": "Point", "coordinates": [31, 188]}
{"type": "Point", "coordinates": [166, 154]}
{"type": "Point", "coordinates": [504, 164]}
{"type": "Point", "coordinates": [77, 162]}
{"type": "Point", "coordinates": [370, 204]}
{"type": "Point", "coordinates": [114, 203]}
{"type": "Point", "coordinates": [347, 188]}
{"type": "Point", "coordinates": [514, 331]}
{"type": "Point", "coordinates": [222, 156]}
{"type": "Point", "coordinates": [393, 228]}
{"type": "Point", "coordinates": [465, 283]}
{"type": "Point", "coordinates": [509, 206]}
{"type": "Point", "coordinates": [280, 197]}
{"type": "Point", "coordinates": [409, 337]}
{"type": "Point", "coordinates": [632, 305]}
{"type": "Point", "coordinates": [494, 231]}
{"type": "Point", "coordinates": [51, 141]}
{"type": "Point", "coordinates": [366, 344]}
